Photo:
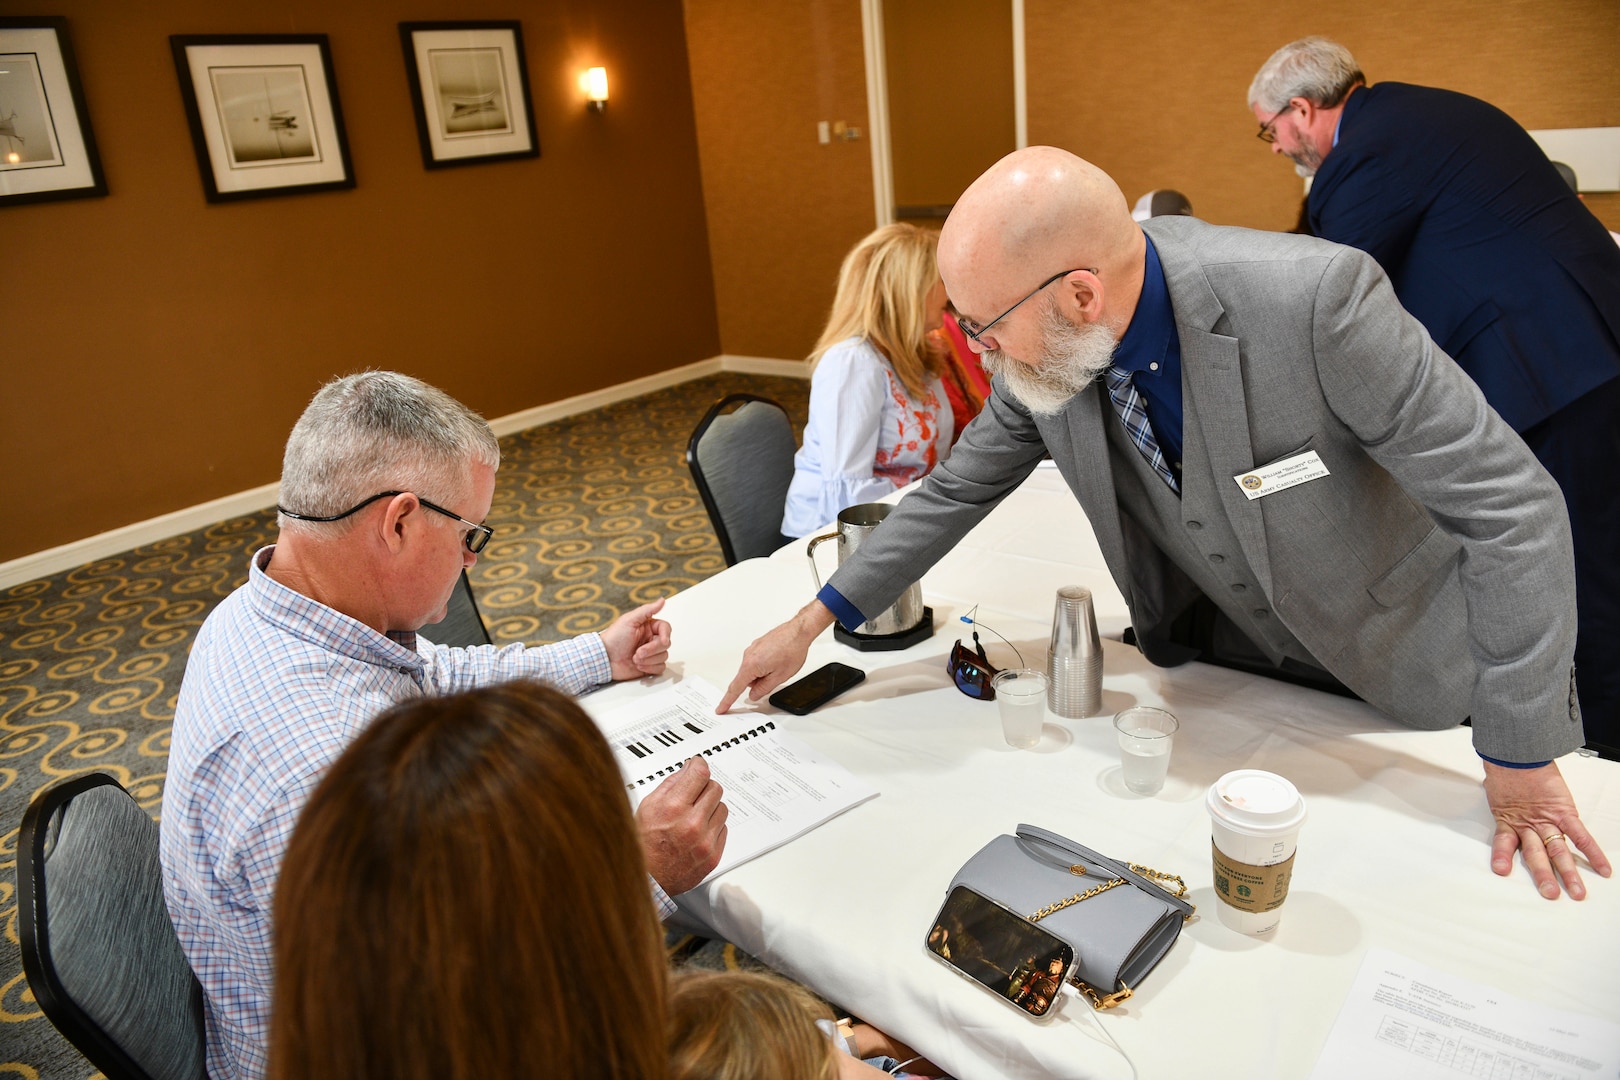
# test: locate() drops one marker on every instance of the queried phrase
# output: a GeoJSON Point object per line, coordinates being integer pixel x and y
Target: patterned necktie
{"type": "Point", "coordinates": [1128, 404]}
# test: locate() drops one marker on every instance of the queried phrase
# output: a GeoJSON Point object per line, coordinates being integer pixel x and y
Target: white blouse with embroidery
{"type": "Point", "coordinates": [865, 438]}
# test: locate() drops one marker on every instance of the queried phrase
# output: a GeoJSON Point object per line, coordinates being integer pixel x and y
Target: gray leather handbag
{"type": "Point", "coordinates": [1119, 920]}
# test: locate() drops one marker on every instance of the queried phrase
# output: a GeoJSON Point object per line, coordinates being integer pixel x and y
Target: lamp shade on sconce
{"type": "Point", "coordinates": [594, 82]}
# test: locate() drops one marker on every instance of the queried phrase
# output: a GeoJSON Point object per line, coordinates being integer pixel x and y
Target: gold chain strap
{"type": "Point", "coordinates": [1100, 1001]}
{"type": "Point", "coordinates": [1076, 898]}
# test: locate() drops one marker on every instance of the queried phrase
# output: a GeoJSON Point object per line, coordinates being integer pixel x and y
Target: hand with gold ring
{"type": "Point", "coordinates": [1533, 810]}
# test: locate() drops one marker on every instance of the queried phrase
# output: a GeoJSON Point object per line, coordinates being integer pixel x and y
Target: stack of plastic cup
{"type": "Point", "coordinates": [1074, 661]}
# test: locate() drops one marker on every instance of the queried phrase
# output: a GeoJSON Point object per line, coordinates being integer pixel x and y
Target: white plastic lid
{"type": "Point", "coordinates": [1256, 802]}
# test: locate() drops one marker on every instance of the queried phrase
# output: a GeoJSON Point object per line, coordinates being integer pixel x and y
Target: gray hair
{"type": "Point", "coordinates": [378, 431]}
{"type": "Point", "coordinates": [1314, 68]}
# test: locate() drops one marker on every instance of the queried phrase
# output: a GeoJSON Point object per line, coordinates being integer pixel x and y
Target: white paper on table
{"type": "Point", "coordinates": [1404, 1019]}
{"type": "Point", "coordinates": [776, 787]}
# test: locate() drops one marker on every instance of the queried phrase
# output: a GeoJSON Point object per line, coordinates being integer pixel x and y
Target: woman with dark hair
{"type": "Point", "coordinates": [465, 897]}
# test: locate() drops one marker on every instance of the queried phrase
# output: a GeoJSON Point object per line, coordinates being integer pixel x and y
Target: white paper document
{"type": "Point", "coordinates": [1407, 1020]}
{"type": "Point", "coordinates": [776, 787]}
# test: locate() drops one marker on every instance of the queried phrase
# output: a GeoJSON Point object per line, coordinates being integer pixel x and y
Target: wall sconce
{"type": "Point", "coordinates": [594, 83]}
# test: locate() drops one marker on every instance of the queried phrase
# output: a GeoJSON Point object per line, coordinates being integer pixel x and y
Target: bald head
{"type": "Point", "coordinates": [1035, 212]}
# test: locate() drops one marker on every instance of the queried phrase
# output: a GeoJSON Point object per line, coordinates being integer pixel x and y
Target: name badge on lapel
{"type": "Point", "coordinates": [1281, 475]}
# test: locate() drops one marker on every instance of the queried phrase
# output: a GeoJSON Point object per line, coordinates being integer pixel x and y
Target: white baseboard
{"type": "Point", "coordinates": [764, 365]}
{"type": "Point", "coordinates": [115, 541]}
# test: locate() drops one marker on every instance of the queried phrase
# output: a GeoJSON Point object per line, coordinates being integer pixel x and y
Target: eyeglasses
{"type": "Point", "coordinates": [971, 670]}
{"type": "Point", "coordinates": [974, 330]}
{"type": "Point", "coordinates": [477, 535]}
{"type": "Point", "coordinates": [1266, 134]}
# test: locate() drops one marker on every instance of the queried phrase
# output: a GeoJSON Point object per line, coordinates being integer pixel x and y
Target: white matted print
{"type": "Point", "coordinates": [470, 90]}
{"type": "Point", "coordinates": [264, 114]}
{"type": "Point", "coordinates": [46, 149]}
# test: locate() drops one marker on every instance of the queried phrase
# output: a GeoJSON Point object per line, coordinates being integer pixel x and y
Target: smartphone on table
{"type": "Point", "coordinates": [1002, 951]}
{"type": "Point", "coordinates": [816, 688]}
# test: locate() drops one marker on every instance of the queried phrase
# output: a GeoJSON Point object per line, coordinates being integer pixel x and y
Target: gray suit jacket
{"type": "Point", "coordinates": [1431, 572]}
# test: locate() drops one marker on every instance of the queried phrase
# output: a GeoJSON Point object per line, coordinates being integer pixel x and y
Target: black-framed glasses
{"type": "Point", "coordinates": [974, 330]}
{"type": "Point", "coordinates": [1268, 134]}
{"type": "Point", "coordinates": [477, 536]}
{"type": "Point", "coordinates": [972, 671]}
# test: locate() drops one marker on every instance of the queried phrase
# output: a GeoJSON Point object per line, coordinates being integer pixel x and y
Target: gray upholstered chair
{"type": "Point", "coordinates": [742, 464]}
{"type": "Point", "coordinates": [99, 951]}
{"type": "Point", "coordinates": [461, 625]}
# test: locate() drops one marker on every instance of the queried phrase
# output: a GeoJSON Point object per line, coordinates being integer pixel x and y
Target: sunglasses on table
{"type": "Point", "coordinates": [971, 670]}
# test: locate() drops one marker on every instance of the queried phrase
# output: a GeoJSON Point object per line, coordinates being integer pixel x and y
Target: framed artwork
{"type": "Point", "coordinates": [470, 89]}
{"type": "Point", "coordinates": [264, 114]}
{"type": "Point", "coordinates": [47, 150]}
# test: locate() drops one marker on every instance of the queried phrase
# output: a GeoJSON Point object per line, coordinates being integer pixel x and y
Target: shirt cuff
{"type": "Point", "coordinates": [1514, 764]}
{"type": "Point", "coordinates": [666, 906]}
{"type": "Point", "coordinates": [844, 611]}
{"type": "Point", "coordinates": [598, 668]}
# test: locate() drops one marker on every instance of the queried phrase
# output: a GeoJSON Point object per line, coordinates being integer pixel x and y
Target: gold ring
{"type": "Point", "coordinates": [1545, 840]}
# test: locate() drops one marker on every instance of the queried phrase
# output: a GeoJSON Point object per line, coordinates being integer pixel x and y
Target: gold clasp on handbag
{"type": "Point", "coordinates": [1105, 1001]}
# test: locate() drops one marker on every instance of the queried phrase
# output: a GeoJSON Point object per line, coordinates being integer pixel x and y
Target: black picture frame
{"type": "Point", "coordinates": [264, 112]}
{"type": "Point", "coordinates": [470, 90]}
{"type": "Point", "coordinates": [48, 149]}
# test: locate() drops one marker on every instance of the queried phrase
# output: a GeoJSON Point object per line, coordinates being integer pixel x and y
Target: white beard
{"type": "Point", "coordinates": [1072, 358]}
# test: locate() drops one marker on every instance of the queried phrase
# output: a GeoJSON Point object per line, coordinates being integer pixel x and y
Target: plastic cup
{"type": "Point", "coordinates": [1021, 696]}
{"type": "Point", "coordinates": [1255, 819]}
{"type": "Point", "coordinates": [1145, 735]}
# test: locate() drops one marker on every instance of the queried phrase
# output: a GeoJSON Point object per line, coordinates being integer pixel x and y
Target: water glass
{"type": "Point", "coordinates": [1021, 696]}
{"type": "Point", "coordinates": [1144, 747]}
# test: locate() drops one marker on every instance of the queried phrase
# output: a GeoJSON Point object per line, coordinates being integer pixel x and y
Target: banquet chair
{"type": "Point", "coordinates": [742, 464]}
{"type": "Point", "coordinates": [462, 625]}
{"type": "Point", "coordinates": [98, 949]}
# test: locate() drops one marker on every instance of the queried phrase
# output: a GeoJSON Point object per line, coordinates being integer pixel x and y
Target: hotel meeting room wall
{"type": "Point", "coordinates": [782, 208]}
{"type": "Point", "coordinates": [156, 348]}
{"type": "Point", "coordinates": [1154, 91]}
{"type": "Point", "coordinates": [951, 111]}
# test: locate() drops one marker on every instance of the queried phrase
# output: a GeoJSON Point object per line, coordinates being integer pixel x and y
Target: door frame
{"type": "Point", "coordinates": [877, 101]}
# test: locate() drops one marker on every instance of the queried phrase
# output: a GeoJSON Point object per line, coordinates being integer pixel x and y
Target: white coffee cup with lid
{"type": "Point", "coordinates": [1255, 818]}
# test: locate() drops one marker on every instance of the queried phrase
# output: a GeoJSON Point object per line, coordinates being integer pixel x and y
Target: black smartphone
{"type": "Point", "coordinates": [1001, 950]}
{"type": "Point", "coordinates": [816, 688]}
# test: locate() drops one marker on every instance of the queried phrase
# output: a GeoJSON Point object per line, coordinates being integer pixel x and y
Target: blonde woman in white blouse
{"type": "Point", "coordinates": [879, 416]}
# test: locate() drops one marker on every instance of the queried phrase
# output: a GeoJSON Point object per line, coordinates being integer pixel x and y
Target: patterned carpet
{"type": "Point", "coordinates": [593, 515]}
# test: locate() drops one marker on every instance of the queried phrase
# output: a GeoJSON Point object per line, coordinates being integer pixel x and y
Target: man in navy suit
{"type": "Point", "coordinates": [1511, 275]}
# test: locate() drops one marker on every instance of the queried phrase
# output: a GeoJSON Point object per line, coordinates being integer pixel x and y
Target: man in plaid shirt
{"type": "Point", "coordinates": [384, 482]}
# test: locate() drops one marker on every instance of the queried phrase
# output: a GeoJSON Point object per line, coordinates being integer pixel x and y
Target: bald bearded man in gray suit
{"type": "Point", "coordinates": [1427, 567]}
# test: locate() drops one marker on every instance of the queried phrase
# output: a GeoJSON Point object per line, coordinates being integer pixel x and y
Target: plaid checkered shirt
{"type": "Point", "coordinates": [275, 688]}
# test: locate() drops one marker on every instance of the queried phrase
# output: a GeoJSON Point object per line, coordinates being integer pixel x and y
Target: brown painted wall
{"type": "Point", "coordinates": [951, 113]}
{"type": "Point", "coordinates": [156, 348]}
{"type": "Point", "coordinates": [1154, 91]}
{"type": "Point", "coordinates": [782, 209]}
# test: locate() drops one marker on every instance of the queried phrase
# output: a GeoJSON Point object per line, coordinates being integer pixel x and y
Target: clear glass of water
{"type": "Point", "coordinates": [1144, 747]}
{"type": "Point", "coordinates": [1021, 696]}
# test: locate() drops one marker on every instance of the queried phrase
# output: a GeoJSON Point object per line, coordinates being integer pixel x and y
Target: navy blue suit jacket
{"type": "Point", "coordinates": [1512, 276]}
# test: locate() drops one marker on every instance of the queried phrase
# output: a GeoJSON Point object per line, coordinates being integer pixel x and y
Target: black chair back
{"type": "Point", "coordinates": [742, 464]}
{"type": "Point", "coordinates": [99, 951]}
{"type": "Point", "coordinates": [462, 625]}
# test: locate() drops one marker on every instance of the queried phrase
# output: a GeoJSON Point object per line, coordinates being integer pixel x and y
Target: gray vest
{"type": "Point", "coordinates": [1200, 552]}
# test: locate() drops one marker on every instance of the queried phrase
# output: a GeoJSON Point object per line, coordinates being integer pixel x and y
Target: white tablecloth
{"type": "Point", "coordinates": [1394, 854]}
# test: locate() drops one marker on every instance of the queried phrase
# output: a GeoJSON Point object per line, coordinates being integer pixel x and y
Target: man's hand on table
{"type": "Point", "coordinates": [1536, 815]}
{"type": "Point", "coordinates": [683, 828]}
{"type": "Point", "coordinates": [637, 644]}
{"type": "Point", "coordinates": [775, 658]}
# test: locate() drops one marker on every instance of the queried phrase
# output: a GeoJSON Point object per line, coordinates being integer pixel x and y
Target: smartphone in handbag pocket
{"type": "Point", "coordinates": [1000, 950]}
